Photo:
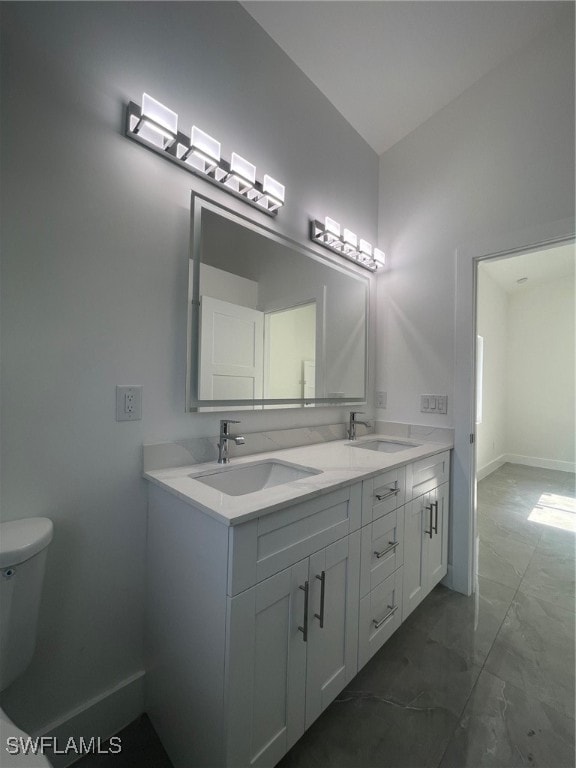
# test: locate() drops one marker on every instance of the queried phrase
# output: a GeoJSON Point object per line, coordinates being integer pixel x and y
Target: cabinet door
{"type": "Point", "coordinates": [416, 537]}
{"type": "Point", "coordinates": [333, 623]}
{"type": "Point", "coordinates": [437, 565]}
{"type": "Point", "coordinates": [266, 660]}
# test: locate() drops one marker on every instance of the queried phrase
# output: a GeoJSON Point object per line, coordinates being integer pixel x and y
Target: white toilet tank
{"type": "Point", "coordinates": [23, 545]}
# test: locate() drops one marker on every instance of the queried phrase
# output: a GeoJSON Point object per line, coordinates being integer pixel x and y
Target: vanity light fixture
{"type": "Point", "coordinates": [379, 257]}
{"type": "Point", "coordinates": [350, 242]}
{"type": "Point", "coordinates": [203, 152]}
{"type": "Point", "coordinates": [156, 123]}
{"type": "Point", "coordinates": [273, 197]}
{"type": "Point", "coordinates": [346, 244]}
{"type": "Point", "coordinates": [155, 126]}
{"type": "Point", "coordinates": [242, 176]}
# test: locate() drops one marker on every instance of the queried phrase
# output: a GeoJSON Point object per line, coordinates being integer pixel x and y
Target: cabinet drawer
{"type": "Point", "coordinates": [428, 473]}
{"type": "Point", "coordinates": [259, 548]}
{"type": "Point", "coordinates": [380, 616]}
{"type": "Point", "coordinates": [382, 549]}
{"type": "Point", "coordinates": [383, 493]}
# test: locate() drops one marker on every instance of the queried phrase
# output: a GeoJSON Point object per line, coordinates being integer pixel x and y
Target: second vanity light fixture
{"type": "Point", "coordinates": [156, 126]}
{"type": "Point", "coordinates": [346, 244]}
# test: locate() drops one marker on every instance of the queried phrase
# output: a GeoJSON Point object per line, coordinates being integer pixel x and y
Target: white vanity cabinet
{"type": "Point", "coordinates": [298, 633]}
{"type": "Point", "coordinates": [425, 528]}
{"type": "Point", "coordinates": [252, 630]}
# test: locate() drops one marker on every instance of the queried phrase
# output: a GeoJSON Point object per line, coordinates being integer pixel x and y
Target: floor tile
{"type": "Point", "coordinates": [469, 625]}
{"type": "Point", "coordinates": [504, 560]}
{"type": "Point", "coordinates": [364, 731]}
{"type": "Point", "coordinates": [557, 542]}
{"type": "Point", "coordinates": [534, 651]}
{"type": "Point", "coordinates": [504, 727]}
{"type": "Point", "coordinates": [413, 669]}
{"type": "Point", "coordinates": [522, 486]}
{"type": "Point", "coordinates": [496, 522]}
{"type": "Point", "coordinates": [550, 576]}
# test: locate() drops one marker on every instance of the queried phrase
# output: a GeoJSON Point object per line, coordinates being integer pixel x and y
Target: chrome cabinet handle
{"type": "Point", "coordinates": [320, 616]}
{"type": "Point", "coordinates": [435, 526]}
{"type": "Point", "coordinates": [392, 609]}
{"type": "Point", "coordinates": [304, 629]}
{"type": "Point", "coordinates": [431, 531]}
{"type": "Point", "coordinates": [392, 545]}
{"type": "Point", "coordinates": [391, 492]}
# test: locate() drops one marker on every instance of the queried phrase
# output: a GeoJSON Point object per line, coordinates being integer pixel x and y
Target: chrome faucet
{"type": "Point", "coordinates": [225, 436]}
{"type": "Point", "coordinates": [353, 422]}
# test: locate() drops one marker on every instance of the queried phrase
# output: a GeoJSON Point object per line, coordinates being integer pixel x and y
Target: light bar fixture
{"type": "Point", "coordinates": [346, 244]}
{"type": "Point", "coordinates": [156, 126]}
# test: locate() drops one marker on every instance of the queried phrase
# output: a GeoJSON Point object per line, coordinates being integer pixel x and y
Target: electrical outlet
{"type": "Point", "coordinates": [381, 399]}
{"type": "Point", "coordinates": [129, 403]}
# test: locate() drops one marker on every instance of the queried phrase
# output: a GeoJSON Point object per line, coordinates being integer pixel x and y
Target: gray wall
{"type": "Point", "coordinates": [94, 243]}
{"type": "Point", "coordinates": [495, 162]}
{"type": "Point", "coordinates": [498, 159]}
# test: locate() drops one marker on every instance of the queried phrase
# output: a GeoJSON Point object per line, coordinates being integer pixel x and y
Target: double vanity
{"type": "Point", "coordinates": [273, 579]}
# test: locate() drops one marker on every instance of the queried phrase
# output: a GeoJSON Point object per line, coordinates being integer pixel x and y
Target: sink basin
{"type": "Point", "coordinates": [385, 446]}
{"type": "Point", "coordinates": [249, 478]}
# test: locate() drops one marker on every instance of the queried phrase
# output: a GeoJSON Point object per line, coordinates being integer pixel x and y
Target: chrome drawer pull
{"type": "Point", "coordinates": [435, 526]}
{"type": "Point", "coordinates": [378, 624]}
{"type": "Point", "coordinates": [320, 616]}
{"type": "Point", "coordinates": [391, 492]}
{"type": "Point", "coordinates": [393, 545]}
{"type": "Point", "coordinates": [304, 629]}
{"type": "Point", "coordinates": [431, 531]}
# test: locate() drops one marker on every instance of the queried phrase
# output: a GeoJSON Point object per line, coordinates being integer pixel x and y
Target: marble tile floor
{"type": "Point", "coordinates": [485, 681]}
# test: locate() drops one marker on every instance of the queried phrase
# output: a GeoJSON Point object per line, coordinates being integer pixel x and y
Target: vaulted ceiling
{"type": "Point", "coordinates": [389, 65]}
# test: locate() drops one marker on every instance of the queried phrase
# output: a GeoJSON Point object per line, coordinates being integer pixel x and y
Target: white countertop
{"type": "Point", "coordinates": [340, 463]}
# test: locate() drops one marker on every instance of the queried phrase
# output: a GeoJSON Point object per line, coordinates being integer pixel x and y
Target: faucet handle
{"type": "Point", "coordinates": [354, 413]}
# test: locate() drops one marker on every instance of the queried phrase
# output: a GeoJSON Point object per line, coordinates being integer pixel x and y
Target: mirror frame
{"type": "Point", "coordinates": [193, 404]}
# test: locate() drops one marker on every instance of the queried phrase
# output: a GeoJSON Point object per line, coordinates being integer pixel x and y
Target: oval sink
{"type": "Point", "coordinates": [385, 446]}
{"type": "Point", "coordinates": [249, 478]}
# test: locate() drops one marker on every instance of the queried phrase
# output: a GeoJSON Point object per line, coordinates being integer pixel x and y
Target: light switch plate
{"type": "Point", "coordinates": [381, 398]}
{"type": "Point", "coordinates": [129, 403]}
{"type": "Point", "coordinates": [433, 403]}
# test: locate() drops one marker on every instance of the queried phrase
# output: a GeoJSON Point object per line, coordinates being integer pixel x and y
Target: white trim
{"type": "Point", "coordinates": [102, 716]}
{"type": "Point", "coordinates": [535, 461]}
{"type": "Point", "coordinates": [492, 466]}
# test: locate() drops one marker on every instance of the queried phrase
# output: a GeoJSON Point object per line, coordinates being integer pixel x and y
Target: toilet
{"type": "Point", "coordinates": [23, 548]}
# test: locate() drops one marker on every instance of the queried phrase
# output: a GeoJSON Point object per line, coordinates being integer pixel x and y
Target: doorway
{"type": "Point", "coordinates": [525, 360]}
{"type": "Point", "coordinates": [462, 554]}
{"type": "Point", "coordinates": [524, 405]}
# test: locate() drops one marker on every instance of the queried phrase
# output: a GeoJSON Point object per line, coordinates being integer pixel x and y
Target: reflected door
{"type": "Point", "coordinates": [231, 351]}
{"type": "Point", "coordinates": [290, 344]}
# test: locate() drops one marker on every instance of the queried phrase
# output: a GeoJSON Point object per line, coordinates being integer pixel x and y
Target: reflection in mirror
{"type": "Point", "coordinates": [272, 323]}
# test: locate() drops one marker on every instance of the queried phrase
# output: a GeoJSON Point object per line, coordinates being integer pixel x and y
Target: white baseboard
{"type": "Point", "coordinates": [100, 717]}
{"type": "Point", "coordinates": [529, 461]}
{"type": "Point", "coordinates": [492, 466]}
{"type": "Point", "coordinates": [535, 461]}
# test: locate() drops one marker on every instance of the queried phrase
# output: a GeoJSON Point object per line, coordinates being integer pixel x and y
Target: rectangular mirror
{"type": "Point", "coordinates": [272, 324]}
